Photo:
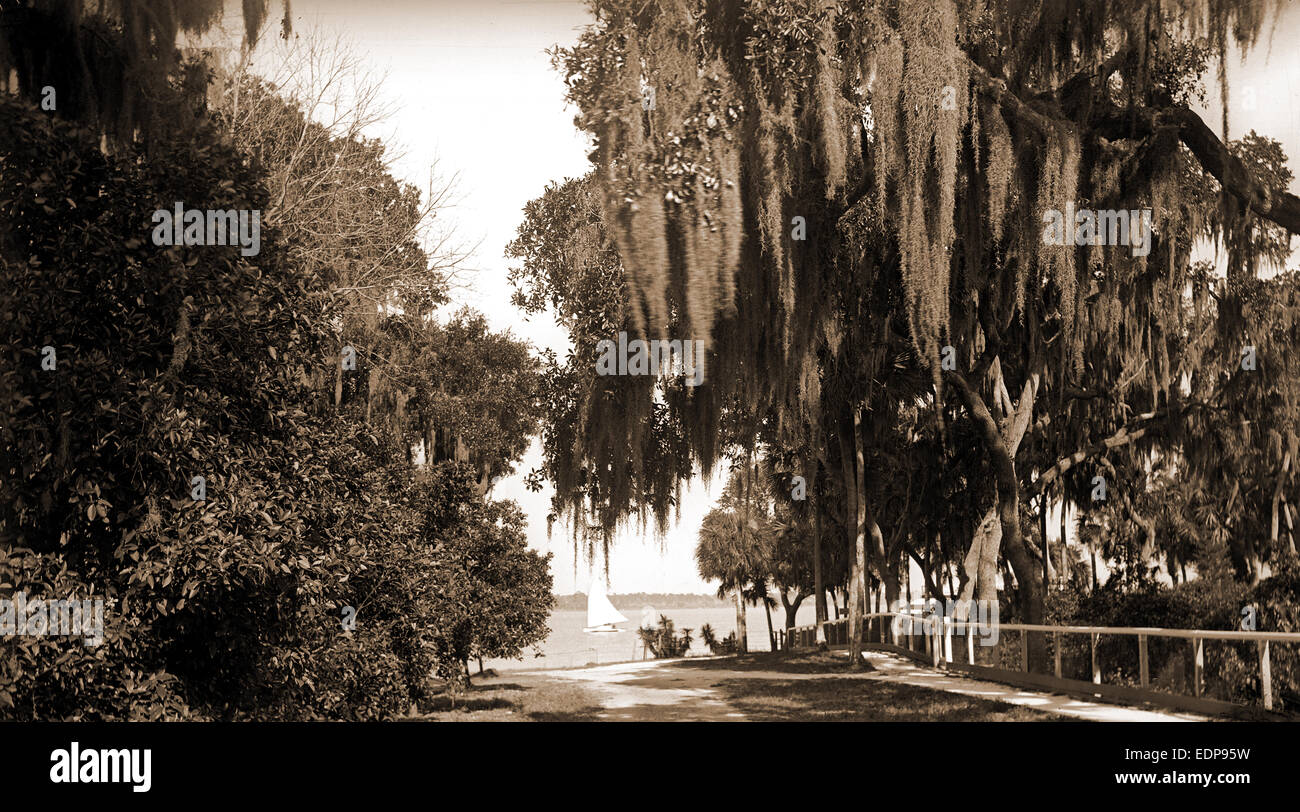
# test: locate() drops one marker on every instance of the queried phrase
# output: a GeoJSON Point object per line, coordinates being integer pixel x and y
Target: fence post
{"type": "Point", "coordinates": [936, 642]}
{"type": "Point", "coordinates": [1144, 668]}
{"type": "Point", "coordinates": [1096, 672]}
{"type": "Point", "coordinates": [1024, 651]}
{"type": "Point", "coordinates": [1265, 675]}
{"type": "Point", "coordinates": [1198, 666]}
{"type": "Point", "coordinates": [970, 643]}
{"type": "Point", "coordinates": [1056, 644]}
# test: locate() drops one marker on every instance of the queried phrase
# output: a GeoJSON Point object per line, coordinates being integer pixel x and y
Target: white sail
{"type": "Point", "coordinates": [600, 612]}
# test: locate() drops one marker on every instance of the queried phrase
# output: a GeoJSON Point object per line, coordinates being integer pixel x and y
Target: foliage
{"type": "Point", "coordinates": [109, 62]}
{"type": "Point", "coordinates": [726, 645]}
{"type": "Point", "coordinates": [180, 362]}
{"type": "Point", "coordinates": [490, 595]}
{"type": "Point", "coordinates": [735, 542]}
{"type": "Point", "coordinates": [889, 165]}
{"type": "Point", "coordinates": [610, 450]}
{"type": "Point", "coordinates": [663, 640]}
{"type": "Point", "coordinates": [1231, 668]}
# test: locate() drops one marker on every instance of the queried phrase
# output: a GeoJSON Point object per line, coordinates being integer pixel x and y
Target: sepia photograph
{"type": "Point", "coordinates": [380, 362]}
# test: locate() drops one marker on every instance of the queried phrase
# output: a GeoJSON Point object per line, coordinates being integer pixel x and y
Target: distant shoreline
{"type": "Point", "coordinates": [635, 600]}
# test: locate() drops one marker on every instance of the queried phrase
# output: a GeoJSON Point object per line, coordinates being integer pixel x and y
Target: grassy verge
{"type": "Point", "coordinates": [522, 699]}
{"type": "Point", "coordinates": [852, 700]}
{"type": "Point", "coordinates": [800, 662]}
{"type": "Point", "coordinates": [750, 684]}
{"type": "Point", "coordinates": [840, 699]}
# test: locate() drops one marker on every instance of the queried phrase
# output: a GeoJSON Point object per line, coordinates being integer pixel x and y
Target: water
{"type": "Point", "coordinates": [568, 645]}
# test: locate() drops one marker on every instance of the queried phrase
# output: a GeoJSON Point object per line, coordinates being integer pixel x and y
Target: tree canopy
{"type": "Point", "coordinates": [853, 206]}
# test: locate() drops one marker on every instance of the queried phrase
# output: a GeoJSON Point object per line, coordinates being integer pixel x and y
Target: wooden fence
{"type": "Point", "coordinates": [932, 642]}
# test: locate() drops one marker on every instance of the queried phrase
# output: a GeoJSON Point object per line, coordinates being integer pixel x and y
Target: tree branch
{"type": "Point", "coordinates": [1276, 205]}
{"type": "Point", "coordinates": [1124, 436]}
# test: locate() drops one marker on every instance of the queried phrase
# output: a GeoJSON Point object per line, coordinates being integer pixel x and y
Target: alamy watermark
{"type": "Point", "coordinates": [1102, 227]}
{"type": "Point", "coordinates": [242, 227]}
{"type": "Point", "coordinates": [73, 765]}
{"type": "Point", "coordinates": [654, 357]}
{"type": "Point", "coordinates": [938, 617]}
{"type": "Point", "coordinates": [58, 618]}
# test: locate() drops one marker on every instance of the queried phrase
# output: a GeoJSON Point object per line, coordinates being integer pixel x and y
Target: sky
{"type": "Point", "coordinates": [472, 90]}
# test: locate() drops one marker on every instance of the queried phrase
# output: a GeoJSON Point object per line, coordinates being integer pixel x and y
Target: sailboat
{"type": "Point", "coordinates": [601, 614]}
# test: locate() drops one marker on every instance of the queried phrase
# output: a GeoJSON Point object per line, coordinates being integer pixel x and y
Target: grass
{"type": "Point", "coordinates": [526, 699]}
{"type": "Point", "coordinates": [851, 700]}
{"type": "Point", "coordinates": [801, 662]}
{"type": "Point", "coordinates": [844, 699]}
{"type": "Point", "coordinates": [749, 684]}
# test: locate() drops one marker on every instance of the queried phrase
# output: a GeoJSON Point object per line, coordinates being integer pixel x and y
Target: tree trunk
{"type": "Point", "coordinates": [888, 571]}
{"type": "Point", "coordinates": [858, 581]}
{"type": "Point", "coordinates": [771, 635]}
{"type": "Point", "coordinates": [1047, 550]}
{"type": "Point", "coordinates": [742, 633]}
{"type": "Point", "coordinates": [792, 608]}
{"type": "Point", "coordinates": [818, 588]}
{"type": "Point", "coordinates": [1022, 563]}
{"type": "Point", "coordinates": [980, 567]}
{"type": "Point", "coordinates": [1065, 541]}
{"type": "Point", "coordinates": [932, 587]}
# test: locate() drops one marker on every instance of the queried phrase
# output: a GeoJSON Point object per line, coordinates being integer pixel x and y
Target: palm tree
{"type": "Point", "coordinates": [756, 594]}
{"type": "Point", "coordinates": [662, 641]}
{"type": "Point", "coordinates": [721, 554]}
{"type": "Point", "coordinates": [735, 547]}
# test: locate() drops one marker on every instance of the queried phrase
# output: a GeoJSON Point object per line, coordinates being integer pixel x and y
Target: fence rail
{"type": "Point", "coordinates": [935, 644]}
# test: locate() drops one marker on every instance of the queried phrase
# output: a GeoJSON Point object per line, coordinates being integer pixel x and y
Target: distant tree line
{"type": "Point", "coordinates": [634, 601]}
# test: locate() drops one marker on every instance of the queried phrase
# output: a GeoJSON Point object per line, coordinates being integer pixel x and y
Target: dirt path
{"type": "Point", "coordinates": [891, 668]}
{"type": "Point", "coordinates": [648, 692]}
{"type": "Point", "coordinates": [680, 691]}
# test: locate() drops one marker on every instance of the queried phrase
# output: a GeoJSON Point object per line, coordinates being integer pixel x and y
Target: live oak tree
{"type": "Point", "coordinates": [825, 194]}
{"type": "Point", "coordinates": [109, 63]}
{"type": "Point", "coordinates": [610, 444]}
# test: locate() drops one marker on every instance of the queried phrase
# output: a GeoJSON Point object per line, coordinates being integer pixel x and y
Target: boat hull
{"type": "Point", "coordinates": [602, 630]}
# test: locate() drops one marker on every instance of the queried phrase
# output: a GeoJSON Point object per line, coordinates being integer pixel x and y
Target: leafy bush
{"type": "Point", "coordinates": [663, 640]}
{"type": "Point", "coordinates": [178, 362]}
{"type": "Point", "coordinates": [1231, 670]}
{"type": "Point", "coordinates": [726, 645]}
{"type": "Point", "coordinates": [1277, 603]}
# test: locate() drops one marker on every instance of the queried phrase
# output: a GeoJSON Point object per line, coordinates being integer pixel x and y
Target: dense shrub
{"type": "Point", "coordinates": [726, 645]}
{"type": "Point", "coordinates": [1231, 669]}
{"type": "Point", "coordinates": [178, 362]}
{"type": "Point", "coordinates": [663, 640]}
